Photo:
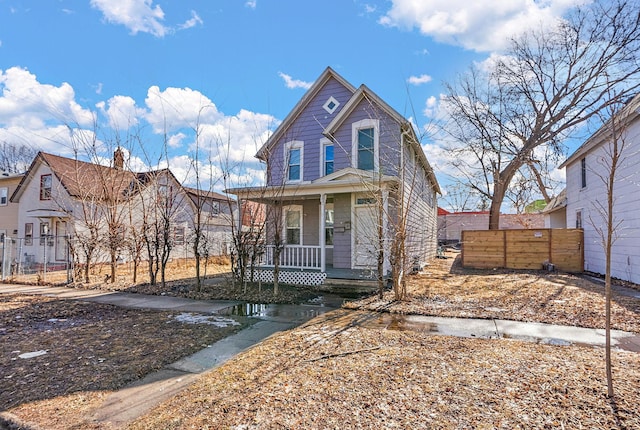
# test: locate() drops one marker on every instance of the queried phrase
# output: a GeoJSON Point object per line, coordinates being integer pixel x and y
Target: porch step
{"type": "Point", "coordinates": [349, 286]}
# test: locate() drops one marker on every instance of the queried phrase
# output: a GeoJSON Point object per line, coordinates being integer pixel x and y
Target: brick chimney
{"type": "Point", "coordinates": [118, 159]}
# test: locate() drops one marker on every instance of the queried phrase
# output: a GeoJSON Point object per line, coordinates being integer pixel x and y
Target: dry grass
{"type": "Point", "coordinates": [342, 370]}
{"type": "Point", "coordinates": [411, 380]}
{"type": "Point", "coordinates": [90, 349]}
{"type": "Point", "coordinates": [447, 289]}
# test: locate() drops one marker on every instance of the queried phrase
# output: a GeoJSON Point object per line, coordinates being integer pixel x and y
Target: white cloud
{"type": "Point", "coordinates": [294, 83]}
{"type": "Point", "coordinates": [481, 25]}
{"type": "Point", "coordinates": [48, 118]}
{"type": "Point", "coordinates": [177, 108]}
{"type": "Point", "coordinates": [251, 4]}
{"type": "Point", "coordinates": [26, 102]}
{"type": "Point", "coordinates": [419, 80]}
{"type": "Point", "coordinates": [190, 23]}
{"type": "Point", "coordinates": [136, 15]}
{"type": "Point", "coordinates": [121, 112]}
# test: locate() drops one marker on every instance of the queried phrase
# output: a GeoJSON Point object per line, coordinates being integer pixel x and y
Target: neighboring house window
{"type": "Point", "coordinates": [215, 208]}
{"type": "Point", "coordinates": [4, 196]}
{"type": "Point", "coordinates": [579, 219]}
{"type": "Point", "coordinates": [28, 233]}
{"type": "Point", "coordinates": [178, 235]}
{"type": "Point", "coordinates": [328, 224]}
{"type": "Point", "coordinates": [365, 144]}
{"type": "Point", "coordinates": [293, 225]}
{"type": "Point", "coordinates": [328, 159]}
{"type": "Point", "coordinates": [583, 172]}
{"type": "Point", "coordinates": [44, 232]}
{"type": "Point", "coordinates": [295, 158]}
{"type": "Point", "coordinates": [45, 187]}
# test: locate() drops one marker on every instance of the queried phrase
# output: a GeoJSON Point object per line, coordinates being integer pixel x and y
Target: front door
{"type": "Point", "coordinates": [365, 236]}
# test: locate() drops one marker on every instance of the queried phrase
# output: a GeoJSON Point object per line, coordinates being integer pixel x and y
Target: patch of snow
{"type": "Point", "coordinates": [33, 354]}
{"type": "Point", "coordinates": [214, 320]}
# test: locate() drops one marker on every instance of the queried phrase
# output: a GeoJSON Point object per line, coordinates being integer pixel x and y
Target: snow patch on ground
{"type": "Point", "coordinates": [215, 320]}
{"type": "Point", "coordinates": [33, 354]}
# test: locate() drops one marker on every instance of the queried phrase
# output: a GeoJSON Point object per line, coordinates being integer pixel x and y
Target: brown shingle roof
{"type": "Point", "coordinates": [88, 180]}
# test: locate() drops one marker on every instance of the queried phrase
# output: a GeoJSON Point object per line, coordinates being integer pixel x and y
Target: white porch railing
{"type": "Point", "coordinates": [294, 257]}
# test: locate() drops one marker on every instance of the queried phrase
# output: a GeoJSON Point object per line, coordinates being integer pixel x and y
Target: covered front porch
{"type": "Point", "coordinates": [326, 229]}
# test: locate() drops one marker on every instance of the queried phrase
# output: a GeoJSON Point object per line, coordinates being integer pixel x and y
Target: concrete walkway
{"type": "Point", "coordinates": [136, 399]}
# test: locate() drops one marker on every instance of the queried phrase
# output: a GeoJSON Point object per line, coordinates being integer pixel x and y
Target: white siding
{"type": "Point", "coordinates": [626, 250]}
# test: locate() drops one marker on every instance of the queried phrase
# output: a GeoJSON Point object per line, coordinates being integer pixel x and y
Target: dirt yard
{"type": "Point", "coordinates": [341, 371]}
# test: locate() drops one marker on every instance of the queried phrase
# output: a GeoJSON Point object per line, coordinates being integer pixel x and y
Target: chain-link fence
{"type": "Point", "coordinates": [35, 257]}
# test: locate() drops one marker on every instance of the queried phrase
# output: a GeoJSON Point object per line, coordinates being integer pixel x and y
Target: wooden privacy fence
{"type": "Point", "coordinates": [523, 249]}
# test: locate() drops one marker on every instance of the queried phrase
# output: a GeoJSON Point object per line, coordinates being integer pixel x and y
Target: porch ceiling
{"type": "Point", "coordinates": [346, 183]}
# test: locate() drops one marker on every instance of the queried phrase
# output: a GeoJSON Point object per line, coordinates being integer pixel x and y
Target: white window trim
{"type": "Point", "coordinates": [293, 144]}
{"type": "Point", "coordinates": [324, 142]}
{"type": "Point", "coordinates": [359, 125]}
{"type": "Point", "coordinates": [292, 208]}
{"type": "Point", "coordinates": [326, 107]}
{"type": "Point", "coordinates": [6, 196]}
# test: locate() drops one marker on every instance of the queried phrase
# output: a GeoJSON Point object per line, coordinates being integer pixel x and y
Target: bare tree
{"type": "Point", "coordinates": [606, 224]}
{"type": "Point", "coordinates": [549, 82]}
{"type": "Point", "coordinates": [15, 158]}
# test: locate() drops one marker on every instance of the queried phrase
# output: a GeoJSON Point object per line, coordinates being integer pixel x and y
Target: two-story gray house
{"type": "Point", "coordinates": [347, 183]}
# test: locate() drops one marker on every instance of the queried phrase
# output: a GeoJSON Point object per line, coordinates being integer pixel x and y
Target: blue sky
{"type": "Point", "coordinates": [231, 68]}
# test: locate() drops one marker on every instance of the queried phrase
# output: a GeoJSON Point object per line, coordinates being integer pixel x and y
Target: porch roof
{"type": "Point", "coordinates": [349, 180]}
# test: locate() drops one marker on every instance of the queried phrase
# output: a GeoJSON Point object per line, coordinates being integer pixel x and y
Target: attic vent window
{"type": "Point", "coordinates": [331, 105]}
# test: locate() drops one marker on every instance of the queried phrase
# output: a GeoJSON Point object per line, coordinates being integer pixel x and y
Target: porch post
{"type": "Point", "coordinates": [323, 256]}
{"type": "Point", "coordinates": [385, 229]}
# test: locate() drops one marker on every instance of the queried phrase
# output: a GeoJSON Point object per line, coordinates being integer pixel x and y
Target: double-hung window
{"type": "Point", "coordinates": [327, 158]}
{"type": "Point", "coordinates": [365, 144]}
{"type": "Point", "coordinates": [28, 233]}
{"type": "Point", "coordinates": [4, 196]}
{"type": "Point", "coordinates": [293, 225]}
{"type": "Point", "coordinates": [45, 187]}
{"type": "Point", "coordinates": [294, 157]}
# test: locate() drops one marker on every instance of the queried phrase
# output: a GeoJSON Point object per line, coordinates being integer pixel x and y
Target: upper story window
{"type": "Point", "coordinates": [45, 187]}
{"type": "Point", "coordinates": [365, 144]}
{"type": "Point", "coordinates": [583, 172]}
{"type": "Point", "coordinates": [4, 196]}
{"type": "Point", "coordinates": [327, 155]}
{"type": "Point", "coordinates": [294, 157]}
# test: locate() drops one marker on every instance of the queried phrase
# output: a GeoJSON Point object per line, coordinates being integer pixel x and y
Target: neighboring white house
{"type": "Point", "coordinates": [586, 192]}
{"type": "Point", "coordinates": [555, 212]}
{"type": "Point", "coordinates": [65, 202]}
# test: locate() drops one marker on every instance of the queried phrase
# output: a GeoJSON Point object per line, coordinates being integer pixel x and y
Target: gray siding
{"type": "Point", "coordinates": [311, 209]}
{"type": "Point", "coordinates": [389, 138]}
{"type": "Point", "coordinates": [342, 240]}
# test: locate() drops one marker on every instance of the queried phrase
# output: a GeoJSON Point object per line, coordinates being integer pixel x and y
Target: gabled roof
{"type": "Point", "coordinates": [79, 178]}
{"type": "Point", "coordinates": [627, 114]}
{"type": "Point", "coordinates": [194, 193]}
{"type": "Point", "coordinates": [556, 203]}
{"type": "Point", "coordinates": [364, 93]}
{"type": "Point", "coordinates": [300, 106]}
